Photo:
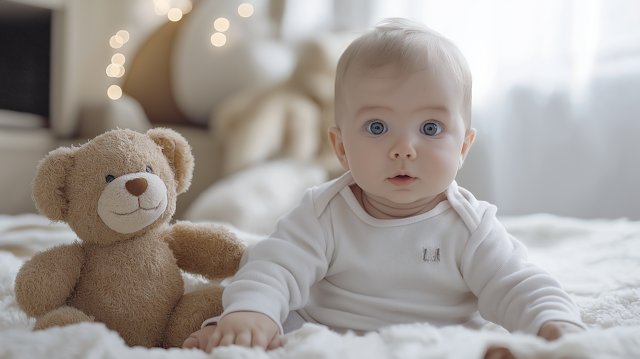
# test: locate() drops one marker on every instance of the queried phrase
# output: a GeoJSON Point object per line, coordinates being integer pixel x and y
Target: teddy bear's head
{"type": "Point", "coordinates": [116, 186]}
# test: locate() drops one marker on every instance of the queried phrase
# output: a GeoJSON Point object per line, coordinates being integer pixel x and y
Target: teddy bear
{"type": "Point", "coordinates": [118, 193]}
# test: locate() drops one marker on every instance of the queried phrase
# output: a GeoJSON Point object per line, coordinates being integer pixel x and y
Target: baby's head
{"type": "Point", "coordinates": [403, 111]}
{"type": "Point", "coordinates": [408, 47]}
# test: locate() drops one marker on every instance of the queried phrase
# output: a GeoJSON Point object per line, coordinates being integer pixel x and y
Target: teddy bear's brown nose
{"type": "Point", "coordinates": [137, 186]}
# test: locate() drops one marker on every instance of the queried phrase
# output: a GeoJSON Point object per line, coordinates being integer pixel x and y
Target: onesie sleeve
{"type": "Point", "coordinates": [511, 291]}
{"type": "Point", "coordinates": [281, 269]}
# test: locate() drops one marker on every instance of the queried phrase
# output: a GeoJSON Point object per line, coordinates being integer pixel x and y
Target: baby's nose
{"type": "Point", "coordinates": [403, 151]}
{"type": "Point", "coordinates": [137, 186]}
{"type": "Point", "coordinates": [407, 155]}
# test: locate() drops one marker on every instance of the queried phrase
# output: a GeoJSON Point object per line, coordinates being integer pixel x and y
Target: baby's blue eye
{"type": "Point", "coordinates": [376, 127]}
{"type": "Point", "coordinates": [431, 129]}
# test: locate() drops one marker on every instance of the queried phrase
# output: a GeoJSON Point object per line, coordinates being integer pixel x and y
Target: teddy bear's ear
{"type": "Point", "coordinates": [178, 152]}
{"type": "Point", "coordinates": [48, 185]}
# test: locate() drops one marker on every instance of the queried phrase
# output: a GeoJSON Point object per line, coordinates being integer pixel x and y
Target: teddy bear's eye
{"type": "Point", "coordinates": [109, 178]}
{"type": "Point", "coordinates": [149, 170]}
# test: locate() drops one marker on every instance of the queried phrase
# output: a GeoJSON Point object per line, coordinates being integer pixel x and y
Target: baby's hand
{"type": "Point", "coordinates": [248, 329]}
{"type": "Point", "coordinates": [555, 329]}
{"type": "Point", "coordinates": [551, 330]}
{"type": "Point", "coordinates": [498, 353]}
{"type": "Point", "coordinates": [200, 338]}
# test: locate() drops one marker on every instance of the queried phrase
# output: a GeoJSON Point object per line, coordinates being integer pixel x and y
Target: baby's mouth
{"type": "Point", "coordinates": [402, 180]}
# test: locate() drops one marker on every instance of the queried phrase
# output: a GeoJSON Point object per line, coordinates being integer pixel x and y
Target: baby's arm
{"type": "Point", "coordinates": [276, 279]}
{"type": "Point", "coordinates": [511, 291]}
{"type": "Point", "coordinates": [248, 329]}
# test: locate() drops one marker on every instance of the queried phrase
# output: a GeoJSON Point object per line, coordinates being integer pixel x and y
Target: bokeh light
{"type": "Point", "coordinates": [186, 6]}
{"type": "Point", "coordinates": [120, 71]}
{"type": "Point", "coordinates": [118, 59]}
{"type": "Point", "coordinates": [218, 39]}
{"type": "Point", "coordinates": [245, 10]}
{"type": "Point", "coordinates": [114, 92]}
{"type": "Point", "coordinates": [221, 24]}
{"type": "Point", "coordinates": [116, 42]}
{"type": "Point", "coordinates": [174, 14]}
{"type": "Point", "coordinates": [113, 70]}
{"type": "Point", "coordinates": [124, 35]}
{"type": "Point", "coordinates": [161, 7]}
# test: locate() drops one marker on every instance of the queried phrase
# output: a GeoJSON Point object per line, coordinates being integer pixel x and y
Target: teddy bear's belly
{"type": "Point", "coordinates": [132, 290]}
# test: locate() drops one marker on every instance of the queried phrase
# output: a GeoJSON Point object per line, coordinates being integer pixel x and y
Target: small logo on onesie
{"type": "Point", "coordinates": [431, 254]}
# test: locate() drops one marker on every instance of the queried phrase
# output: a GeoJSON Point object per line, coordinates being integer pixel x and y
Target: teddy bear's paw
{"type": "Point", "coordinates": [61, 317]}
{"type": "Point", "coordinates": [192, 310]}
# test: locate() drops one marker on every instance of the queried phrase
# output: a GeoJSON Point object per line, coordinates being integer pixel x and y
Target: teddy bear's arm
{"type": "Point", "coordinates": [46, 281]}
{"type": "Point", "coordinates": [205, 249]}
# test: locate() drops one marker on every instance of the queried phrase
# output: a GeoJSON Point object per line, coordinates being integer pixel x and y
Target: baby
{"type": "Point", "coordinates": [395, 239]}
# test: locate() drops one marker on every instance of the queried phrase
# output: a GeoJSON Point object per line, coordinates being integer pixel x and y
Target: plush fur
{"type": "Point", "coordinates": [118, 193]}
{"type": "Point", "coordinates": [287, 120]}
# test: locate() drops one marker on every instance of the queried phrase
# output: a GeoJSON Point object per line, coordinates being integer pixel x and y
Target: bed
{"type": "Point", "coordinates": [597, 261]}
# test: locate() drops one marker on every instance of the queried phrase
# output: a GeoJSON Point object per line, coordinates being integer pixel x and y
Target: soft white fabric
{"type": "Point", "coordinates": [598, 263]}
{"type": "Point", "coordinates": [255, 198]}
{"type": "Point", "coordinates": [338, 266]}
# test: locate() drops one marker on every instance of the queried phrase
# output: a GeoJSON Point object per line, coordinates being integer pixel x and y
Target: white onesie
{"type": "Point", "coordinates": [336, 265]}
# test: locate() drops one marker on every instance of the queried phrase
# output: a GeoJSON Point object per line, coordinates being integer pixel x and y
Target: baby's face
{"type": "Point", "coordinates": [403, 138]}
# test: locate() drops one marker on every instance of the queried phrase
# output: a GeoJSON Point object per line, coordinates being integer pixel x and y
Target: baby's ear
{"type": "Point", "coordinates": [469, 137]}
{"type": "Point", "coordinates": [48, 186]}
{"type": "Point", "coordinates": [335, 139]}
{"type": "Point", "coordinates": [178, 152]}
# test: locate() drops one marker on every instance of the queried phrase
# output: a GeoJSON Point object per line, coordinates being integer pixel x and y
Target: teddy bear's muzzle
{"type": "Point", "coordinates": [133, 201]}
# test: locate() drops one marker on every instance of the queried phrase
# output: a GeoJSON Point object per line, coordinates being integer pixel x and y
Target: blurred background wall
{"type": "Point", "coordinates": [556, 87]}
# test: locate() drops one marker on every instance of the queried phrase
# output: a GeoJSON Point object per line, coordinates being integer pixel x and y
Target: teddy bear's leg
{"type": "Point", "coordinates": [60, 317]}
{"type": "Point", "coordinates": [192, 310]}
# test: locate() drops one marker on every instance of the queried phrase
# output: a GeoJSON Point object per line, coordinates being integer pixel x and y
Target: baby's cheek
{"type": "Point", "coordinates": [446, 160]}
{"type": "Point", "coordinates": [441, 170]}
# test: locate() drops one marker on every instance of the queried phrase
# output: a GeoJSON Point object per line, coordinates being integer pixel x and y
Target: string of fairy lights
{"type": "Point", "coordinates": [174, 10]}
{"type": "Point", "coordinates": [116, 67]}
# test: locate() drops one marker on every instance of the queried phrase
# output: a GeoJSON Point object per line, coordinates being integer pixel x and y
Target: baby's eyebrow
{"type": "Point", "coordinates": [434, 108]}
{"type": "Point", "coordinates": [426, 108]}
{"type": "Point", "coordinates": [368, 108]}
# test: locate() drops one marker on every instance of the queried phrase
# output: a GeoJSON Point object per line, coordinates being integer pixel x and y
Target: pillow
{"type": "Point", "coordinates": [202, 74]}
{"type": "Point", "coordinates": [148, 79]}
{"type": "Point", "coordinates": [255, 198]}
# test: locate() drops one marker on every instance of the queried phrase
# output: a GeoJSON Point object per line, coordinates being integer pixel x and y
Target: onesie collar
{"type": "Point", "coordinates": [346, 180]}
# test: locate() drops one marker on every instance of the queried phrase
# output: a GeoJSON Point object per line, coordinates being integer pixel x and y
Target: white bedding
{"type": "Point", "coordinates": [597, 261]}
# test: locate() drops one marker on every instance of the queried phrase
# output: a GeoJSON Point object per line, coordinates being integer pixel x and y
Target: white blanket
{"type": "Point", "coordinates": [597, 261]}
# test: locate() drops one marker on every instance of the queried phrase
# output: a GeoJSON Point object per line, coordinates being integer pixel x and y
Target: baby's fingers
{"type": "Point", "coordinates": [275, 342]}
{"type": "Point", "coordinates": [259, 339]}
{"type": "Point", "coordinates": [191, 342]}
{"type": "Point", "coordinates": [214, 341]}
{"type": "Point", "coordinates": [243, 339]}
{"type": "Point", "coordinates": [498, 353]}
{"type": "Point", "coordinates": [228, 338]}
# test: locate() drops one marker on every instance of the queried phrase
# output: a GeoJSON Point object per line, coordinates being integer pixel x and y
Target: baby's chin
{"type": "Point", "coordinates": [404, 197]}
